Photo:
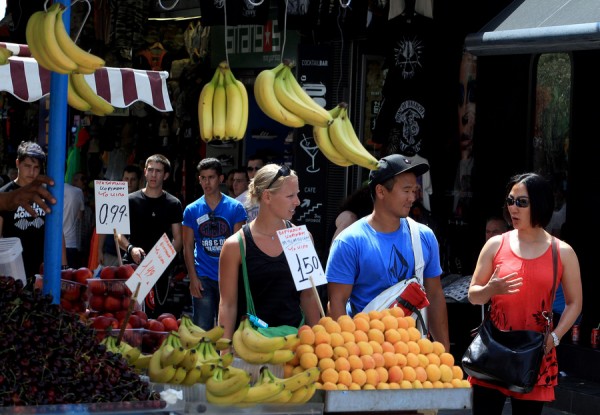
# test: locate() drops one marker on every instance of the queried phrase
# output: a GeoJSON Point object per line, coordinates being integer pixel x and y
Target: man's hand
{"type": "Point", "coordinates": [196, 287]}
{"type": "Point", "coordinates": [34, 192]}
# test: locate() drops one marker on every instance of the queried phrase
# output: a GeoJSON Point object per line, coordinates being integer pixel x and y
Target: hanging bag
{"type": "Point", "coordinates": [260, 325]}
{"type": "Point", "coordinates": [510, 359]}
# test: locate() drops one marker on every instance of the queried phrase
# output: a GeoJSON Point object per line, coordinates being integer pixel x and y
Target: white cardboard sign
{"type": "Point", "coordinates": [152, 267]}
{"type": "Point", "coordinates": [112, 206]}
{"type": "Point", "coordinates": [301, 257]}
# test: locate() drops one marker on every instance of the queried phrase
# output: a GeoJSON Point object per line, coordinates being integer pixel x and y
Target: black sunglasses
{"type": "Point", "coordinates": [283, 171]}
{"type": "Point", "coordinates": [521, 202]}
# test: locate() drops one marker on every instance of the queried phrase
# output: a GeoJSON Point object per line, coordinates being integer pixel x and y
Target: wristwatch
{"type": "Point", "coordinates": [555, 339]}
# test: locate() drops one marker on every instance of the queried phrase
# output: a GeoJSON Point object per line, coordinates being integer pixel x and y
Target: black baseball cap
{"type": "Point", "coordinates": [394, 165]}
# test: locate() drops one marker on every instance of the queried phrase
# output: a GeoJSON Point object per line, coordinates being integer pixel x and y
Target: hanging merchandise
{"type": "Point", "coordinates": [248, 12]}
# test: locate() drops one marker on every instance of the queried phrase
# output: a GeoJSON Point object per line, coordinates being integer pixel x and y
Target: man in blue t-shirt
{"type": "Point", "coordinates": [207, 223]}
{"type": "Point", "coordinates": [376, 251]}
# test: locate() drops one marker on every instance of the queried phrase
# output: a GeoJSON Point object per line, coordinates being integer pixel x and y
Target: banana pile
{"type": "Point", "coordinates": [223, 107]}
{"type": "Point", "coordinates": [233, 386]}
{"type": "Point", "coordinates": [254, 347]}
{"type": "Point", "coordinates": [4, 55]}
{"type": "Point", "coordinates": [339, 142]}
{"type": "Point", "coordinates": [53, 48]}
{"type": "Point", "coordinates": [282, 98]}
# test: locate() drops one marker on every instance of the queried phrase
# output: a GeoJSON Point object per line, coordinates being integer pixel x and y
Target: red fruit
{"type": "Point", "coordinates": [120, 315]}
{"type": "Point", "coordinates": [69, 291]}
{"type": "Point", "coordinates": [136, 322]}
{"type": "Point", "coordinates": [170, 324]}
{"type": "Point", "coordinates": [124, 272]}
{"type": "Point", "coordinates": [154, 325]}
{"type": "Point", "coordinates": [97, 287]}
{"type": "Point", "coordinates": [112, 304]}
{"type": "Point", "coordinates": [116, 288]}
{"type": "Point", "coordinates": [133, 337]}
{"type": "Point", "coordinates": [66, 274]}
{"type": "Point", "coordinates": [96, 302]}
{"type": "Point", "coordinates": [66, 304]}
{"type": "Point", "coordinates": [108, 273]}
{"type": "Point", "coordinates": [103, 323]}
{"type": "Point", "coordinates": [166, 315]}
{"type": "Point", "coordinates": [81, 275]}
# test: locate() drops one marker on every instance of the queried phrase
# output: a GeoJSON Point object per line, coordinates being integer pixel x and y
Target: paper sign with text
{"type": "Point", "coordinates": [301, 257]}
{"type": "Point", "coordinates": [112, 206]}
{"type": "Point", "coordinates": [152, 267]}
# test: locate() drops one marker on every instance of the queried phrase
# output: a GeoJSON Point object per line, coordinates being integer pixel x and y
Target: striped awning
{"type": "Point", "coordinates": [29, 82]}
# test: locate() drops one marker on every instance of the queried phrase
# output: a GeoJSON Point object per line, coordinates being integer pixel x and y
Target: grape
{"type": "Point", "coordinates": [48, 356]}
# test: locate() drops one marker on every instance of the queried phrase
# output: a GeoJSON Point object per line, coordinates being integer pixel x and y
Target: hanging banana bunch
{"type": "Point", "coordinates": [223, 107]}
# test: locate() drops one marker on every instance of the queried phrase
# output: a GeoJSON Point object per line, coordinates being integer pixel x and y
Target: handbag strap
{"type": "Point", "coordinates": [249, 302]}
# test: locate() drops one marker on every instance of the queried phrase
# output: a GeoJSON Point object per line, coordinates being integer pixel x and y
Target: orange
{"type": "Point", "coordinates": [323, 350]}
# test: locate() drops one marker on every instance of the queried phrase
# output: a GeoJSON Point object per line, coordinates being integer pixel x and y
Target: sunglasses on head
{"type": "Point", "coordinates": [283, 171]}
{"type": "Point", "coordinates": [521, 202]}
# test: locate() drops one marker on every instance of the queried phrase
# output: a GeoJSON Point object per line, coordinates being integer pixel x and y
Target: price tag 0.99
{"type": "Point", "coordinates": [112, 206]}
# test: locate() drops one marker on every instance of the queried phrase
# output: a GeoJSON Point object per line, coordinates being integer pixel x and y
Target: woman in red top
{"type": "Point", "coordinates": [514, 271]}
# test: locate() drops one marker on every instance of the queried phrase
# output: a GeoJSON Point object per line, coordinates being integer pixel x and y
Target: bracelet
{"type": "Point", "coordinates": [129, 248]}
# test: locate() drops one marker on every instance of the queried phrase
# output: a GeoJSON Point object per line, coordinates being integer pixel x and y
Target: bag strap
{"type": "Point", "coordinates": [249, 302]}
{"type": "Point", "coordinates": [415, 237]}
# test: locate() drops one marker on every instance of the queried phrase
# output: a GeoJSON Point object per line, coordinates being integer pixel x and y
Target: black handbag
{"type": "Point", "coordinates": [512, 358]}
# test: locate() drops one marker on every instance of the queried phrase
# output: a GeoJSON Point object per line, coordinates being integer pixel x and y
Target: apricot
{"type": "Point", "coordinates": [324, 320]}
{"type": "Point", "coordinates": [361, 324]}
{"type": "Point", "coordinates": [361, 315]}
{"type": "Point", "coordinates": [390, 359]}
{"type": "Point", "coordinates": [383, 373]}
{"type": "Point", "coordinates": [382, 386]}
{"type": "Point", "coordinates": [409, 373]}
{"type": "Point", "coordinates": [392, 336]}
{"type": "Point", "coordinates": [337, 339]}
{"type": "Point", "coordinates": [340, 351]}
{"type": "Point", "coordinates": [329, 386]}
{"type": "Point", "coordinates": [375, 315]}
{"type": "Point", "coordinates": [341, 387]}
{"type": "Point", "coordinates": [376, 335]}
{"type": "Point", "coordinates": [345, 377]}
{"type": "Point", "coordinates": [413, 347]}
{"type": "Point", "coordinates": [368, 362]}
{"type": "Point", "coordinates": [434, 359]}
{"type": "Point", "coordinates": [352, 348]}
{"type": "Point", "coordinates": [308, 360]}
{"type": "Point", "coordinates": [326, 363]}
{"type": "Point", "coordinates": [465, 383]}
{"type": "Point", "coordinates": [378, 358]}
{"type": "Point", "coordinates": [329, 375]}
{"type": "Point", "coordinates": [372, 376]}
{"type": "Point", "coordinates": [413, 333]}
{"type": "Point", "coordinates": [304, 348]}
{"type": "Point", "coordinates": [287, 370]}
{"type": "Point", "coordinates": [394, 385]}
{"type": "Point", "coordinates": [404, 335]}
{"type": "Point", "coordinates": [348, 336]}
{"type": "Point", "coordinates": [412, 359]}
{"type": "Point", "coordinates": [359, 377]}
{"type": "Point", "coordinates": [447, 359]}
{"type": "Point", "coordinates": [346, 323]}
{"type": "Point", "coordinates": [306, 337]}
{"type": "Point", "coordinates": [356, 362]}
{"type": "Point", "coordinates": [387, 347]}
{"type": "Point", "coordinates": [438, 348]}
{"type": "Point", "coordinates": [427, 385]}
{"type": "Point", "coordinates": [368, 386]}
{"type": "Point", "coordinates": [376, 346]}
{"type": "Point", "coordinates": [377, 324]}
{"type": "Point", "coordinates": [342, 364]}
{"type": "Point", "coordinates": [323, 350]}
{"type": "Point", "coordinates": [446, 373]}
{"type": "Point", "coordinates": [297, 369]}
{"type": "Point", "coordinates": [402, 361]}
{"type": "Point", "coordinates": [411, 321]}
{"type": "Point", "coordinates": [423, 360]}
{"type": "Point", "coordinates": [395, 374]}
{"type": "Point", "coordinates": [421, 374]}
{"type": "Point", "coordinates": [416, 384]}
{"type": "Point", "coordinates": [354, 387]}
{"type": "Point", "coordinates": [405, 384]}
{"type": "Point", "coordinates": [425, 345]}
{"type": "Point", "coordinates": [390, 322]}
{"type": "Point", "coordinates": [438, 384]}
{"type": "Point", "coordinates": [457, 383]}
{"type": "Point", "coordinates": [401, 347]}
{"type": "Point", "coordinates": [318, 327]}
{"type": "Point", "coordinates": [360, 336]}
{"type": "Point", "coordinates": [365, 348]}
{"type": "Point", "coordinates": [457, 372]}
{"type": "Point", "coordinates": [332, 326]}
{"type": "Point", "coordinates": [396, 312]}
{"type": "Point", "coordinates": [322, 337]}
{"type": "Point", "coordinates": [402, 323]}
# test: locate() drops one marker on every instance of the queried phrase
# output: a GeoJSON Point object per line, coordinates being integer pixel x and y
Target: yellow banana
{"type": "Point", "coordinates": [156, 372]}
{"type": "Point", "coordinates": [323, 140]}
{"type": "Point", "coordinates": [179, 377]}
{"type": "Point", "coordinates": [193, 376]}
{"type": "Point", "coordinates": [32, 36]}
{"type": "Point", "coordinates": [281, 356]}
{"type": "Point", "coordinates": [299, 92]}
{"type": "Point", "coordinates": [351, 133]}
{"type": "Point", "coordinates": [245, 111]}
{"type": "Point", "coordinates": [348, 146]}
{"type": "Point", "coordinates": [215, 333]}
{"type": "Point", "coordinates": [303, 378]}
{"type": "Point", "coordinates": [208, 369]}
{"type": "Point", "coordinates": [99, 105]}
{"type": "Point", "coordinates": [258, 342]}
{"type": "Point", "coordinates": [74, 99]}
{"type": "Point", "coordinates": [190, 360]}
{"type": "Point", "coordinates": [222, 343]}
{"type": "Point", "coordinates": [219, 386]}
{"type": "Point", "coordinates": [188, 340]}
{"type": "Point", "coordinates": [132, 355]}
{"type": "Point", "coordinates": [288, 98]}
{"type": "Point", "coordinates": [233, 114]}
{"type": "Point", "coordinates": [298, 395]}
{"type": "Point", "coordinates": [82, 58]}
{"type": "Point", "coordinates": [267, 101]}
{"type": "Point", "coordinates": [262, 392]}
{"type": "Point", "coordinates": [210, 353]}
{"type": "Point", "coordinates": [205, 112]}
{"type": "Point", "coordinates": [142, 361]}
{"type": "Point", "coordinates": [51, 48]}
{"type": "Point", "coordinates": [234, 398]}
{"type": "Point", "coordinates": [219, 108]}
{"type": "Point", "coordinates": [247, 354]}
{"type": "Point", "coordinates": [291, 341]}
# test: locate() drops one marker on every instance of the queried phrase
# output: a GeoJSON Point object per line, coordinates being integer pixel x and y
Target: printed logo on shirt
{"type": "Point", "coordinates": [397, 266]}
{"type": "Point", "coordinates": [213, 233]}
{"type": "Point", "coordinates": [23, 220]}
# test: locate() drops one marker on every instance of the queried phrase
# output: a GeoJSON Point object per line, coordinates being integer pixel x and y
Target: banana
{"type": "Point", "coordinates": [48, 40]}
{"type": "Point", "coordinates": [205, 111]}
{"type": "Point", "coordinates": [99, 105]}
{"type": "Point", "coordinates": [132, 355]}
{"type": "Point", "coordinates": [323, 140]}
{"type": "Point", "coordinates": [219, 386]}
{"type": "Point", "coordinates": [222, 343]}
{"type": "Point", "coordinates": [156, 372]}
{"type": "Point", "coordinates": [303, 394]}
{"type": "Point", "coordinates": [188, 340]}
{"type": "Point", "coordinates": [193, 376]}
{"type": "Point", "coordinates": [263, 391]}
{"type": "Point", "coordinates": [258, 342]}
{"type": "Point", "coordinates": [219, 108]}
{"type": "Point", "coordinates": [142, 362]}
{"type": "Point", "coordinates": [31, 34]}
{"type": "Point", "coordinates": [227, 359]}
{"type": "Point", "coordinates": [215, 333]}
{"type": "Point", "coordinates": [288, 98]}
{"type": "Point", "coordinates": [233, 115]}
{"type": "Point", "coordinates": [210, 353]}
{"type": "Point", "coordinates": [4, 55]}
{"type": "Point", "coordinates": [246, 353]}
{"type": "Point", "coordinates": [234, 398]}
{"type": "Point", "coordinates": [245, 111]}
{"type": "Point", "coordinates": [349, 146]}
{"type": "Point", "coordinates": [179, 377]}
{"type": "Point", "coordinates": [291, 341]}
{"type": "Point", "coordinates": [84, 60]}
{"type": "Point", "coordinates": [351, 133]}
{"type": "Point", "coordinates": [281, 356]}
{"type": "Point", "coordinates": [268, 102]}
{"type": "Point", "coordinates": [299, 92]}
{"type": "Point", "coordinates": [190, 360]}
{"type": "Point", "coordinates": [208, 369]}
{"type": "Point", "coordinates": [74, 99]}
{"type": "Point", "coordinates": [301, 379]}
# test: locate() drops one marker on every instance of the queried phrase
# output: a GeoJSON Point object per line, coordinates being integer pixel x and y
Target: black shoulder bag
{"type": "Point", "coordinates": [510, 359]}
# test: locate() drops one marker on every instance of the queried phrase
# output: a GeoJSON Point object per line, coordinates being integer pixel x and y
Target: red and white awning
{"type": "Point", "coordinates": [29, 82]}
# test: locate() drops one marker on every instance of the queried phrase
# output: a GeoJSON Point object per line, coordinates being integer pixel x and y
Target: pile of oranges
{"type": "Point", "coordinates": [375, 350]}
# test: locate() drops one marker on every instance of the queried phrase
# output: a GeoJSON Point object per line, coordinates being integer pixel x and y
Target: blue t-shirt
{"type": "Point", "coordinates": [373, 261]}
{"type": "Point", "coordinates": [211, 229]}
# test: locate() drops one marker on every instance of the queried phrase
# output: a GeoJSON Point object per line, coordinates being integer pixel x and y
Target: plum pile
{"type": "Point", "coordinates": [48, 356]}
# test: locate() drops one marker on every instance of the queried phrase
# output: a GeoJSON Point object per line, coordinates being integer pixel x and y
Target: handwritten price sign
{"type": "Point", "coordinates": [152, 267]}
{"type": "Point", "coordinates": [301, 257]}
{"type": "Point", "coordinates": [112, 206]}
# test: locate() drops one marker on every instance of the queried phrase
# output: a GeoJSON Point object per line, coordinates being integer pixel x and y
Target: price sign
{"type": "Point", "coordinates": [112, 206]}
{"type": "Point", "coordinates": [152, 267]}
{"type": "Point", "coordinates": [301, 257]}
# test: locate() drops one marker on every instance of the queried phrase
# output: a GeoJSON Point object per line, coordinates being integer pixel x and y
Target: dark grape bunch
{"type": "Point", "coordinates": [48, 356]}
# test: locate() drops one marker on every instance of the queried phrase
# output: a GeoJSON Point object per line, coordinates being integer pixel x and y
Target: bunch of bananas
{"type": "Point", "coordinates": [282, 98]}
{"type": "Point", "coordinates": [82, 97]}
{"type": "Point", "coordinates": [223, 107]}
{"type": "Point", "coordinates": [339, 142]}
{"type": "Point", "coordinates": [4, 55]}
{"type": "Point", "coordinates": [254, 347]}
{"type": "Point", "coordinates": [228, 386]}
{"type": "Point", "coordinates": [130, 353]}
{"type": "Point", "coordinates": [191, 334]}
{"type": "Point", "coordinates": [51, 45]}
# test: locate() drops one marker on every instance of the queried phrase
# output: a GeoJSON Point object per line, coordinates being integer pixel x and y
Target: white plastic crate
{"type": "Point", "coordinates": [11, 260]}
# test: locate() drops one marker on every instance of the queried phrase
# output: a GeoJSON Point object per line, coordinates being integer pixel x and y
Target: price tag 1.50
{"type": "Point", "coordinates": [301, 257]}
{"type": "Point", "coordinates": [112, 206]}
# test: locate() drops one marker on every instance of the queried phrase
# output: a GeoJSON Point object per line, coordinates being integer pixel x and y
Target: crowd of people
{"type": "Point", "coordinates": [233, 256]}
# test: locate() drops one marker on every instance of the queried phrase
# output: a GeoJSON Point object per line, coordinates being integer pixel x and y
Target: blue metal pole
{"type": "Point", "coordinates": [56, 170]}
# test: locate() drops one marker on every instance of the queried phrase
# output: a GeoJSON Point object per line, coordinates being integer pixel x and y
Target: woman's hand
{"type": "Point", "coordinates": [509, 284]}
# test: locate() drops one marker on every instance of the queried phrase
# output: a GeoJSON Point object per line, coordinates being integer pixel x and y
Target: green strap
{"type": "Point", "coordinates": [249, 302]}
